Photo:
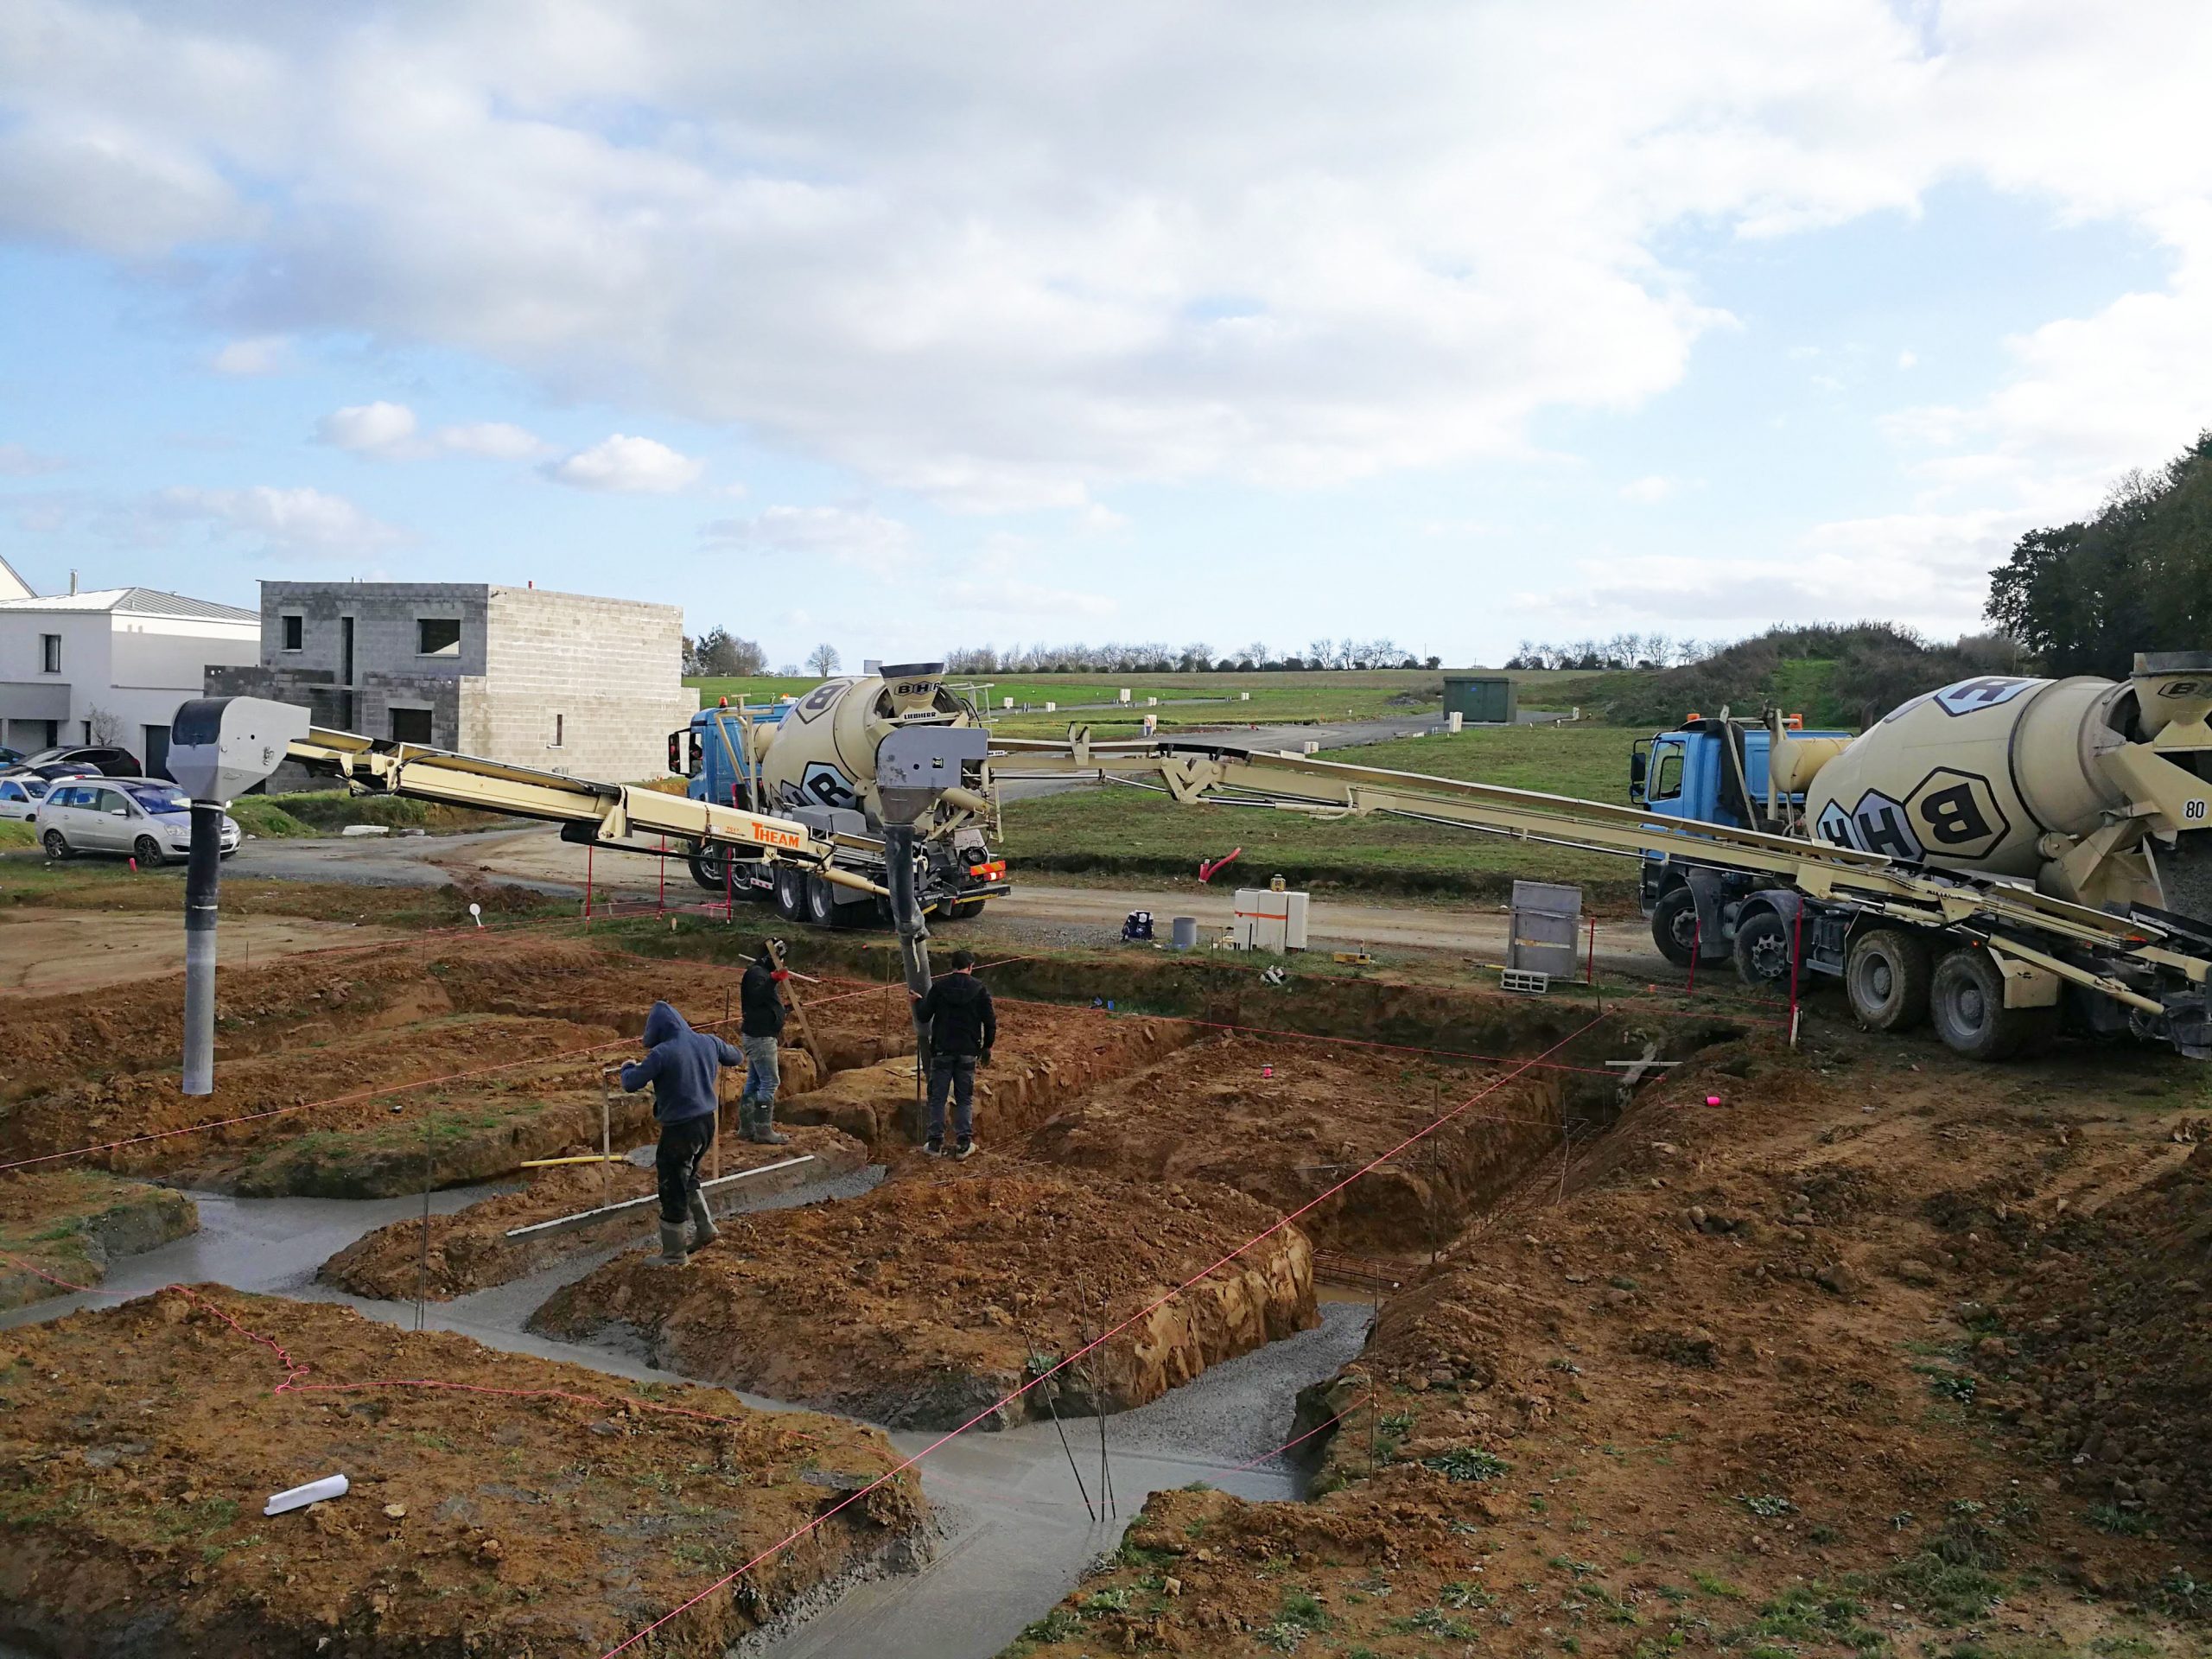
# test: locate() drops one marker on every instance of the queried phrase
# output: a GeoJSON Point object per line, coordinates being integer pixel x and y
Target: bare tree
{"type": "Point", "coordinates": [822, 660]}
{"type": "Point", "coordinates": [103, 726]}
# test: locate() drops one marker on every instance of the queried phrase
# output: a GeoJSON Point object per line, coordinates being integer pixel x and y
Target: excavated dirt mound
{"type": "Point", "coordinates": [138, 1443]}
{"type": "Point", "coordinates": [72, 1223]}
{"type": "Point", "coordinates": [2106, 1358]}
{"type": "Point", "coordinates": [1045, 1057]}
{"type": "Point", "coordinates": [1716, 1389]}
{"type": "Point", "coordinates": [1284, 1122]}
{"type": "Point", "coordinates": [532, 1020]}
{"type": "Point", "coordinates": [469, 1251]}
{"type": "Point", "coordinates": [919, 1303]}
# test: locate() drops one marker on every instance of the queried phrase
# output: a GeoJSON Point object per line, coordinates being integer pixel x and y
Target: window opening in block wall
{"type": "Point", "coordinates": [437, 636]}
{"type": "Point", "coordinates": [560, 730]}
{"type": "Point", "coordinates": [410, 725]}
{"type": "Point", "coordinates": [294, 632]}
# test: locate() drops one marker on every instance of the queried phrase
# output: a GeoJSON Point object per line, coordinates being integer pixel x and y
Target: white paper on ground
{"type": "Point", "coordinates": [300, 1497]}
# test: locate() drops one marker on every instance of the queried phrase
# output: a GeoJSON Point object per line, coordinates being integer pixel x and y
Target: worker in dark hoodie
{"type": "Point", "coordinates": [684, 1067]}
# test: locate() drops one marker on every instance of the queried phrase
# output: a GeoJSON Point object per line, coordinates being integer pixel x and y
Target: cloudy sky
{"type": "Point", "coordinates": [903, 326]}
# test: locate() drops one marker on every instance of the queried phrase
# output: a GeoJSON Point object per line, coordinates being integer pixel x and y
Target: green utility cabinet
{"type": "Point", "coordinates": [1481, 699]}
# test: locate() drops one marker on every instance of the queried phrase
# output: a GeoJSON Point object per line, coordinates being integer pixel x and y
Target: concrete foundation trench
{"type": "Point", "coordinates": [1122, 1154]}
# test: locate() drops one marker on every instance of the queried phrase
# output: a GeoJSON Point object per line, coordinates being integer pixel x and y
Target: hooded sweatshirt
{"type": "Point", "coordinates": [681, 1067]}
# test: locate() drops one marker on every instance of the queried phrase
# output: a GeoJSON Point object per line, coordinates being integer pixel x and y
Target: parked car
{"type": "Point", "coordinates": [10, 757]}
{"type": "Point", "coordinates": [81, 760]}
{"type": "Point", "coordinates": [19, 796]}
{"type": "Point", "coordinates": [138, 817]}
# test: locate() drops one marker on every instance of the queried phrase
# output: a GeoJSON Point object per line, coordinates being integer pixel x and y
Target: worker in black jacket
{"type": "Point", "coordinates": [962, 1028]}
{"type": "Point", "coordinates": [761, 1002]}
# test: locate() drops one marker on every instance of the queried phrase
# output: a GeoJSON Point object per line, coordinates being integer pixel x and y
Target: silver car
{"type": "Point", "coordinates": [19, 796]}
{"type": "Point", "coordinates": [135, 817]}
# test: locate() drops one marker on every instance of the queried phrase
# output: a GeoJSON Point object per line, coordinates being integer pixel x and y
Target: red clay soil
{"type": "Point", "coordinates": [138, 1446]}
{"type": "Point", "coordinates": [469, 1249]}
{"type": "Point", "coordinates": [1723, 1391]}
{"type": "Point", "coordinates": [1214, 1114]}
{"type": "Point", "coordinates": [70, 1223]}
{"type": "Point", "coordinates": [919, 1303]}
{"type": "Point", "coordinates": [1046, 1056]}
{"type": "Point", "coordinates": [553, 1012]}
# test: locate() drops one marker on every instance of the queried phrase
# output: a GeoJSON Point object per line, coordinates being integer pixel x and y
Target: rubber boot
{"type": "Point", "coordinates": [672, 1253]}
{"type": "Point", "coordinates": [745, 1120]}
{"type": "Point", "coordinates": [765, 1132]}
{"type": "Point", "coordinates": [703, 1231]}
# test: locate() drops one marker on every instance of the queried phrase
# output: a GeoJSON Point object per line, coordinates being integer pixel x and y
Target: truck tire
{"type": "Point", "coordinates": [1966, 1000]}
{"type": "Point", "coordinates": [1764, 942]}
{"type": "Point", "coordinates": [708, 871]}
{"type": "Point", "coordinates": [1674, 926]}
{"type": "Point", "coordinates": [1885, 974]}
{"type": "Point", "coordinates": [821, 902]}
{"type": "Point", "coordinates": [964, 910]}
{"type": "Point", "coordinates": [790, 893]}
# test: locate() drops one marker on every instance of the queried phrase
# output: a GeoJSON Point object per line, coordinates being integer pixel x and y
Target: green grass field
{"type": "Point", "coordinates": [1188, 699]}
{"type": "Point", "coordinates": [1123, 833]}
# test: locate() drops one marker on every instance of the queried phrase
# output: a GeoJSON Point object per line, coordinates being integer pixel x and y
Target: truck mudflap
{"type": "Point", "coordinates": [1709, 888]}
{"type": "Point", "coordinates": [2186, 1024]}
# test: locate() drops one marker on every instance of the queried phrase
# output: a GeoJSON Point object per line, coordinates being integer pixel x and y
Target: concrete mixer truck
{"type": "Point", "coordinates": [813, 760]}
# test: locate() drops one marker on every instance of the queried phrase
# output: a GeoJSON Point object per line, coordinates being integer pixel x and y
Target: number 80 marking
{"type": "Point", "coordinates": [2192, 810]}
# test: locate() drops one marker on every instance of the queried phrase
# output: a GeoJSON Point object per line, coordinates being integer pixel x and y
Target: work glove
{"type": "Point", "coordinates": [984, 1059]}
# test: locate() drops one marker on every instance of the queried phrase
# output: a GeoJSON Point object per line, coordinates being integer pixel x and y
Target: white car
{"type": "Point", "coordinates": [19, 796]}
{"type": "Point", "coordinates": [135, 817]}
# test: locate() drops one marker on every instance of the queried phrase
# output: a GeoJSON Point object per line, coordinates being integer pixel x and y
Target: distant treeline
{"type": "Point", "coordinates": [2085, 597]}
{"type": "Point", "coordinates": [1622, 651]}
{"type": "Point", "coordinates": [1152, 658]}
{"type": "Point", "coordinates": [1835, 675]}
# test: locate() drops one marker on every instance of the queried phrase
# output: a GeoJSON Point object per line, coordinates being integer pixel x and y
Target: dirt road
{"type": "Point", "coordinates": [43, 953]}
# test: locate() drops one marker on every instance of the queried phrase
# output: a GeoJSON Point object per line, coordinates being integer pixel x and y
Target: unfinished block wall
{"type": "Point", "coordinates": [590, 687]}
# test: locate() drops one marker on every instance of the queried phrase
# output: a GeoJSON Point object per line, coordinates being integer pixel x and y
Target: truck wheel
{"type": "Point", "coordinates": [1764, 944]}
{"type": "Point", "coordinates": [1967, 1000]}
{"type": "Point", "coordinates": [1674, 926]}
{"type": "Point", "coordinates": [967, 910]}
{"type": "Point", "coordinates": [1885, 974]}
{"type": "Point", "coordinates": [790, 893]}
{"type": "Point", "coordinates": [821, 902]}
{"type": "Point", "coordinates": [706, 871]}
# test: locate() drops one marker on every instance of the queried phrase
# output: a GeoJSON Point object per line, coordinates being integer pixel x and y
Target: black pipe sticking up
{"type": "Point", "coordinates": [203, 875]}
{"type": "Point", "coordinates": [913, 932]}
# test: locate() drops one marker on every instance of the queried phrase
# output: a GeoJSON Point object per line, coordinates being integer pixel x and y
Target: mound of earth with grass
{"type": "Point", "coordinates": [927, 1299]}
{"type": "Point", "coordinates": [469, 1251]}
{"type": "Point", "coordinates": [528, 1508]}
{"type": "Point", "coordinates": [1731, 1381]}
{"type": "Point", "coordinates": [72, 1223]}
{"type": "Point", "coordinates": [1285, 1121]}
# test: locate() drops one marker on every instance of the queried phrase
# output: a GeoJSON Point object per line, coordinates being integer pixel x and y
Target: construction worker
{"type": "Point", "coordinates": [762, 1004]}
{"type": "Point", "coordinates": [684, 1067]}
{"type": "Point", "coordinates": [962, 1028]}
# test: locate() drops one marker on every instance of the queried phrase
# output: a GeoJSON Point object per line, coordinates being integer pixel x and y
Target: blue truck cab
{"type": "Point", "coordinates": [1709, 771]}
{"type": "Point", "coordinates": [711, 753]}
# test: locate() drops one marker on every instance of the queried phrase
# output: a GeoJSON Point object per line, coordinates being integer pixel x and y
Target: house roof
{"type": "Point", "coordinates": [10, 577]}
{"type": "Point", "coordinates": [135, 601]}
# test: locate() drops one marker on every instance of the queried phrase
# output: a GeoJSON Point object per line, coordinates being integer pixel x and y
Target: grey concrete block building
{"type": "Point", "coordinates": [560, 682]}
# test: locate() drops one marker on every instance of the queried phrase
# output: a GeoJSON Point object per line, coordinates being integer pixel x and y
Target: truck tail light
{"type": "Point", "coordinates": [993, 871]}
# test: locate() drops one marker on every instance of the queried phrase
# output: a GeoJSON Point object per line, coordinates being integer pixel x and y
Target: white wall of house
{"type": "Point", "coordinates": [119, 667]}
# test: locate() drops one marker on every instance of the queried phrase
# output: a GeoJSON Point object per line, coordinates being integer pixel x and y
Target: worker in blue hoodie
{"type": "Point", "coordinates": [684, 1067]}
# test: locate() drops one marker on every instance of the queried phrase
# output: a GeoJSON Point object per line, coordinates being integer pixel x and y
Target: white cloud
{"type": "Point", "coordinates": [636, 466]}
{"type": "Point", "coordinates": [1907, 359]}
{"type": "Point", "coordinates": [856, 538]}
{"type": "Point", "coordinates": [262, 354]}
{"type": "Point", "coordinates": [855, 232]}
{"type": "Point", "coordinates": [494, 440]}
{"type": "Point", "coordinates": [389, 431]}
{"type": "Point", "coordinates": [1649, 491]}
{"type": "Point", "coordinates": [16, 461]}
{"type": "Point", "coordinates": [369, 429]}
{"type": "Point", "coordinates": [301, 521]}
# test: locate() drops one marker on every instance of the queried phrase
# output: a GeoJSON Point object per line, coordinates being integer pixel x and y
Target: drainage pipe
{"type": "Point", "coordinates": [203, 875]}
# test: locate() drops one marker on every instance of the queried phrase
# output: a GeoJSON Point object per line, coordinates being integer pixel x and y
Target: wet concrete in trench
{"type": "Point", "coordinates": [1014, 1535]}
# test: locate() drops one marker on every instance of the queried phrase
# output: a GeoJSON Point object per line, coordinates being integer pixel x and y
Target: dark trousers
{"type": "Point", "coordinates": [676, 1161]}
{"type": "Point", "coordinates": [953, 1075]}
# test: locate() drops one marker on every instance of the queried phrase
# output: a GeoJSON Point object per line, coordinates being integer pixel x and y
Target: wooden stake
{"type": "Point", "coordinates": [799, 1018]}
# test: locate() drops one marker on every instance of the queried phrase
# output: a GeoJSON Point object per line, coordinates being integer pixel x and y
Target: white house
{"type": "Point", "coordinates": [13, 586]}
{"type": "Point", "coordinates": [112, 667]}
